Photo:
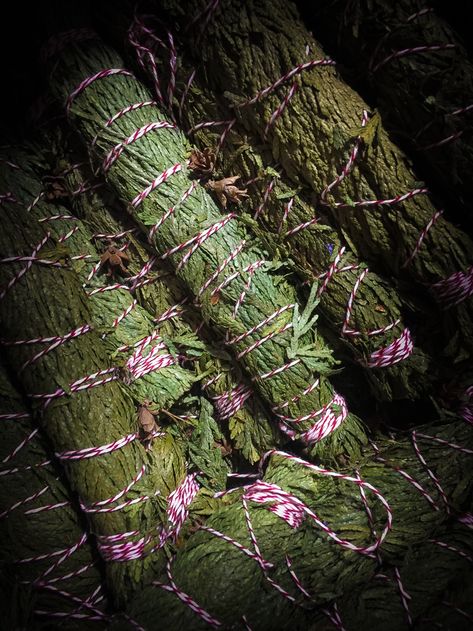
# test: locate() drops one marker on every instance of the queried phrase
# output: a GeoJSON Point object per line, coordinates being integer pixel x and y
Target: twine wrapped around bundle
{"type": "Point", "coordinates": [242, 294]}
{"type": "Point", "coordinates": [362, 308]}
{"type": "Point", "coordinates": [80, 400]}
{"type": "Point", "coordinates": [45, 547]}
{"type": "Point", "coordinates": [375, 200]}
{"type": "Point", "coordinates": [235, 402]}
{"type": "Point", "coordinates": [422, 79]}
{"type": "Point", "coordinates": [306, 536]}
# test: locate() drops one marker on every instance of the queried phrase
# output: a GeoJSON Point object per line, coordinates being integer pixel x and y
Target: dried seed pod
{"type": "Point", "coordinates": [114, 260]}
{"type": "Point", "coordinates": [202, 162]}
{"type": "Point", "coordinates": [226, 191]}
{"type": "Point", "coordinates": [146, 419]}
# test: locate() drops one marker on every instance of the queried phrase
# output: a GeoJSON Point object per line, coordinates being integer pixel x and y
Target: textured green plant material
{"type": "Point", "coordinates": [163, 386]}
{"type": "Point", "coordinates": [436, 579]}
{"type": "Point", "coordinates": [416, 93]}
{"type": "Point", "coordinates": [377, 303]}
{"type": "Point", "coordinates": [50, 301]}
{"type": "Point", "coordinates": [267, 289]}
{"type": "Point", "coordinates": [228, 584]}
{"type": "Point", "coordinates": [27, 532]}
{"type": "Point", "coordinates": [246, 48]}
{"type": "Point", "coordinates": [250, 431]}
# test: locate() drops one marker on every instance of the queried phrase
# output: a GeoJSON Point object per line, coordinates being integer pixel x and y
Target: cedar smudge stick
{"type": "Point", "coordinates": [227, 583]}
{"type": "Point", "coordinates": [419, 73]}
{"type": "Point", "coordinates": [362, 308]}
{"type": "Point", "coordinates": [250, 53]}
{"type": "Point", "coordinates": [257, 314]}
{"type": "Point", "coordinates": [39, 524]}
{"type": "Point", "coordinates": [87, 414]}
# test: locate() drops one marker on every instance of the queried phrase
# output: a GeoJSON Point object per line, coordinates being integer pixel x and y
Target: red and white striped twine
{"type": "Point", "coordinates": [382, 202]}
{"type": "Point", "coordinates": [345, 268]}
{"type": "Point", "coordinates": [224, 135]}
{"type": "Point", "coordinates": [8, 197]}
{"type": "Point", "coordinates": [405, 597]}
{"type": "Point", "coordinates": [200, 238]}
{"type": "Point", "coordinates": [25, 269]}
{"type": "Point", "coordinates": [51, 555]}
{"type": "Point", "coordinates": [89, 603]}
{"type": "Point", "coordinates": [122, 112]}
{"type": "Point", "coordinates": [35, 201]}
{"type": "Point", "coordinates": [301, 226]}
{"type": "Point", "coordinates": [422, 236]}
{"type": "Point", "coordinates": [187, 600]}
{"type": "Point", "coordinates": [260, 325]}
{"type": "Point", "coordinates": [207, 124]}
{"type": "Point", "coordinates": [171, 210]}
{"type": "Point", "coordinates": [447, 443]}
{"type": "Point", "coordinates": [441, 143]}
{"type": "Point", "coordinates": [38, 465]}
{"type": "Point", "coordinates": [451, 548]}
{"type": "Point", "coordinates": [172, 70]}
{"type": "Point", "coordinates": [349, 311]}
{"type": "Point", "coordinates": [228, 403]}
{"type": "Point", "coordinates": [368, 550]}
{"type": "Point", "coordinates": [333, 616]}
{"type": "Point", "coordinates": [14, 416]}
{"type": "Point", "coordinates": [55, 341]}
{"type": "Point", "coordinates": [47, 507]}
{"type": "Point", "coordinates": [411, 481]}
{"type": "Point", "coordinates": [298, 397]}
{"type": "Point", "coordinates": [330, 419]}
{"type": "Point", "coordinates": [467, 520]}
{"type": "Point", "coordinates": [21, 445]}
{"type": "Point", "coordinates": [144, 271]}
{"type": "Point", "coordinates": [264, 339]}
{"type": "Point", "coordinates": [461, 110]}
{"type": "Point", "coordinates": [280, 109]}
{"type": "Point", "coordinates": [430, 473]}
{"type": "Point", "coordinates": [89, 80]}
{"type": "Point", "coordinates": [162, 177]}
{"type": "Point", "coordinates": [102, 506]}
{"type": "Point", "coordinates": [349, 165]}
{"type": "Point", "coordinates": [221, 267]}
{"type": "Point", "coordinates": [455, 289]}
{"type": "Point", "coordinates": [277, 371]}
{"type": "Point", "coordinates": [293, 510]}
{"type": "Point", "coordinates": [84, 383]}
{"type": "Point", "coordinates": [140, 365]}
{"type": "Point", "coordinates": [266, 194]}
{"type": "Point", "coordinates": [308, 65]}
{"type": "Point", "coordinates": [397, 351]}
{"type": "Point", "coordinates": [32, 259]}
{"type": "Point", "coordinates": [287, 209]}
{"type": "Point", "coordinates": [124, 314]}
{"type": "Point", "coordinates": [332, 270]}
{"type": "Point", "coordinates": [116, 152]}
{"type": "Point", "coordinates": [178, 503]}
{"type": "Point", "coordinates": [172, 312]}
{"type": "Point", "coordinates": [26, 500]}
{"type": "Point", "coordinates": [118, 549]}
{"type": "Point", "coordinates": [239, 546]}
{"type": "Point", "coordinates": [250, 270]}
{"type": "Point", "coordinates": [92, 452]}
{"type": "Point", "coordinates": [413, 51]}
